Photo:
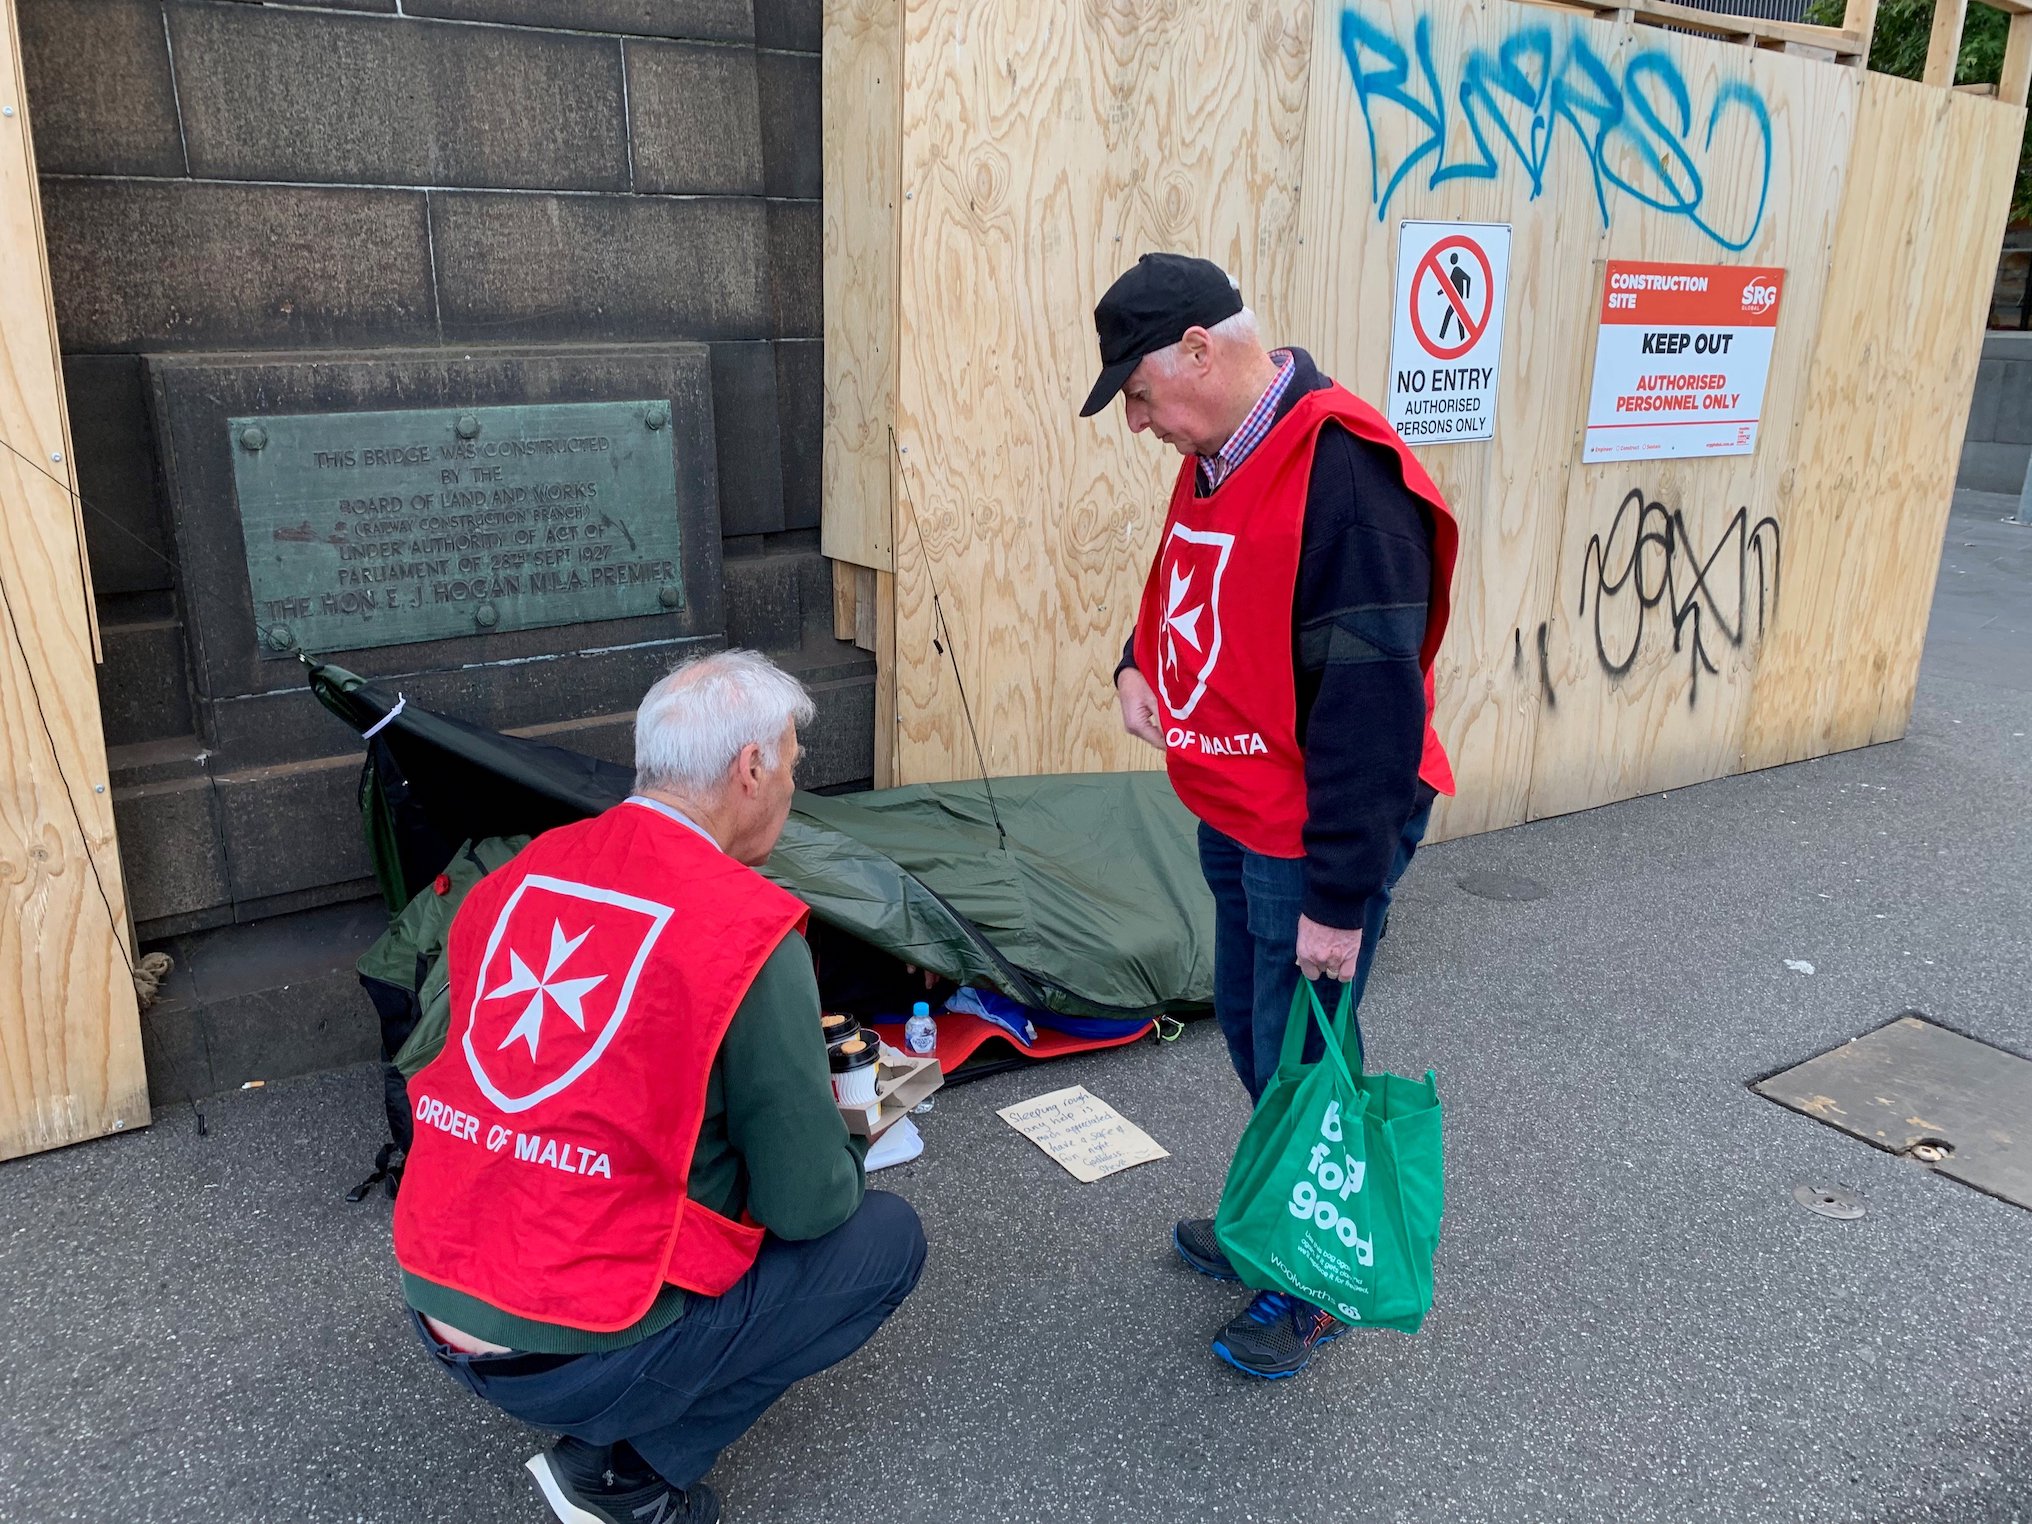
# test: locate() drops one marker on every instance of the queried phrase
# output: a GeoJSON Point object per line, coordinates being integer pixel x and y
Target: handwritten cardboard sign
{"type": "Point", "coordinates": [1085, 1134]}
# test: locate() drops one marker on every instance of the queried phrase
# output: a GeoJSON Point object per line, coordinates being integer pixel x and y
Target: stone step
{"type": "Point", "coordinates": [264, 930]}
{"type": "Point", "coordinates": [270, 825]}
{"type": "Point", "coordinates": [1998, 441]}
{"type": "Point", "coordinates": [262, 1002]}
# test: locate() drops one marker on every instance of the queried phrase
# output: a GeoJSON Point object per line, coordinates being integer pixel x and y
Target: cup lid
{"type": "Point", "coordinates": [854, 1053]}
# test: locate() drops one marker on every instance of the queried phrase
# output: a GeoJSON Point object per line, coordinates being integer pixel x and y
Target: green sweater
{"type": "Point", "coordinates": [771, 1143]}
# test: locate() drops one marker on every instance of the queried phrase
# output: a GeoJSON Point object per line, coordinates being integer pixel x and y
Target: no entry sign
{"type": "Point", "coordinates": [1681, 359]}
{"type": "Point", "coordinates": [1448, 332]}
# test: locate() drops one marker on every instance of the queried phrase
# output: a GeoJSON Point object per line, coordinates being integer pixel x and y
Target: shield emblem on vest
{"type": "Point", "coordinates": [555, 985]}
{"type": "Point", "coordinates": [1189, 615]}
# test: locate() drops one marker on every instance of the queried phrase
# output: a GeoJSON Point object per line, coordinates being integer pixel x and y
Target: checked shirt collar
{"type": "Point", "coordinates": [1215, 469]}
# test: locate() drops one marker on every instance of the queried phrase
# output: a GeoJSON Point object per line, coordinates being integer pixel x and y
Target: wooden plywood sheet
{"type": "Point", "coordinates": [1871, 472]}
{"type": "Point", "coordinates": [1915, 1083]}
{"type": "Point", "coordinates": [70, 1036]}
{"type": "Point", "coordinates": [1615, 631]}
{"type": "Point", "coordinates": [1671, 574]}
{"type": "Point", "coordinates": [1383, 149]}
{"type": "Point", "coordinates": [1045, 149]}
{"type": "Point", "coordinates": [862, 156]}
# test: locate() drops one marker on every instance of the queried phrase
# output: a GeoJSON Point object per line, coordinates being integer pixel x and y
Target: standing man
{"type": "Point", "coordinates": [633, 1214]}
{"type": "Point", "coordinates": [1282, 659]}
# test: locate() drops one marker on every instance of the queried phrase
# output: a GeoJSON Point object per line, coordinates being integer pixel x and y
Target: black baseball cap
{"type": "Point", "coordinates": [1149, 308]}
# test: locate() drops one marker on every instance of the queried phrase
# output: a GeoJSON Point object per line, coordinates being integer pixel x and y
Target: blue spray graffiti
{"type": "Point", "coordinates": [1638, 129]}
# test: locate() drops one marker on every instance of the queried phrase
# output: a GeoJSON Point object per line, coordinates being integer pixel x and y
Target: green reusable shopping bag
{"type": "Point", "coordinates": [1334, 1193]}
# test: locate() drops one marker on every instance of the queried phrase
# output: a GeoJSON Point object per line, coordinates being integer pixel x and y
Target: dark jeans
{"type": "Point", "coordinates": [682, 1395]}
{"type": "Point", "coordinates": [1257, 901]}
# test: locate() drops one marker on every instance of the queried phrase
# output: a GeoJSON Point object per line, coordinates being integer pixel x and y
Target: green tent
{"type": "Point", "coordinates": [1087, 900]}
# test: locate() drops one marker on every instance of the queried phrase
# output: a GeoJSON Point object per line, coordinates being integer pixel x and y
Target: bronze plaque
{"type": "Point", "coordinates": [371, 529]}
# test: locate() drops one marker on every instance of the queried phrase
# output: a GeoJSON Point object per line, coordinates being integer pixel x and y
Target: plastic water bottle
{"type": "Point", "coordinates": [920, 1032]}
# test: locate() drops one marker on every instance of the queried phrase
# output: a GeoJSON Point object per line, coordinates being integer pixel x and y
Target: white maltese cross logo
{"type": "Point", "coordinates": [1180, 622]}
{"type": "Point", "coordinates": [1193, 563]}
{"type": "Point", "coordinates": [554, 985]}
{"type": "Point", "coordinates": [568, 994]}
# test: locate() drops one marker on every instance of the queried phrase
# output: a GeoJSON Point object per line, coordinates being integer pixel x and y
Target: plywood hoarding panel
{"type": "Point", "coordinates": [861, 69]}
{"type": "Point", "coordinates": [1045, 149]}
{"type": "Point", "coordinates": [1870, 474]}
{"type": "Point", "coordinates": [1617, 629]}
{"type": "Point", "coordinates": [70, 1034]}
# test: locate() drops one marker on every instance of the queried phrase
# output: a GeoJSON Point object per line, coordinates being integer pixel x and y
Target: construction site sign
{"type": "Point", "coordinates": [1680, 360]}
{"type": "Point", "coordinates": [1448, 333]}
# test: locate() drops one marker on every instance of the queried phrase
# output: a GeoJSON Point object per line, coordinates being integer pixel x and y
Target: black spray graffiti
{"type": "Point", "coordinates": [1656, 563]}
{"type": "Point", "coordinates": [1544, 662]}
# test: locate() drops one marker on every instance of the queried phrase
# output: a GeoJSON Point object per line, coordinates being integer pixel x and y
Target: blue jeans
{"type": "Point", "coordinates": [1257, 901]}
{"type": "Point", "coordinates": [682, 1395]}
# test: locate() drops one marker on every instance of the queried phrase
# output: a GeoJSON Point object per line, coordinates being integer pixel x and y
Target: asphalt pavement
{"type": "Point", "coordinates": [1636, 1321]}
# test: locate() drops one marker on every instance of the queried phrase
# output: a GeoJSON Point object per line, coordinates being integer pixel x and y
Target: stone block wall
{"type": "Point", "coordinates": [523, 188]}
{"type": "Point", "coordinates": [1998, 444]}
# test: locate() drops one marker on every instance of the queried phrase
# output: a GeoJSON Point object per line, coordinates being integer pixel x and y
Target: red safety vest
{"type": "Point", "coordinates": [1213, 633]}
{"type": "Point", "coordinates": [592, 978]}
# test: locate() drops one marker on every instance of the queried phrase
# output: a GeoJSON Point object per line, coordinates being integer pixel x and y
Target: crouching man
{"type": "Point", "coordinates": [633, 1214]}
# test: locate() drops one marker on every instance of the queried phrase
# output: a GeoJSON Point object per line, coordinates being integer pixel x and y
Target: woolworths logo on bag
{"type": "Point", "coordinates": [1337, 1182]}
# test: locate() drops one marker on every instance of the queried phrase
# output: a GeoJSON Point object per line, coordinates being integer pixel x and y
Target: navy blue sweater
{"type": "Point", "coordinates": [1357, 622]}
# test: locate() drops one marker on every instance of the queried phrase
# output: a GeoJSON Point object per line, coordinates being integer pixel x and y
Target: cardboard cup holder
{"type": "Point", "coordinates": [899, 1086]}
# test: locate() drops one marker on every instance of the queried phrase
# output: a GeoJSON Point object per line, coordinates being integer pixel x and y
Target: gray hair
{"type": "Point", "coordinates": [694, 722]}
{"type": "Point", "coordinates": [1241, 328]}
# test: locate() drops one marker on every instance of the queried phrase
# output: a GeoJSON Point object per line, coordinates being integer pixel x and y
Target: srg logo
{"type": "Point", "coordinates": [1759, 296]}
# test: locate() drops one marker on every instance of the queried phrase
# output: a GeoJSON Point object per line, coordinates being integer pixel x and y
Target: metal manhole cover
{"type": "Point", "coordinates": [1503, 886]}
{"type": "Point", "coordinates": [1960, 1107]}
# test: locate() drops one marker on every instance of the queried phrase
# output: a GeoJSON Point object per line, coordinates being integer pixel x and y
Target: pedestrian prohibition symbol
{"type": "Point", "coordinates": [1461, 287]}
{"type": "Point", "coordinates": [1448, 333]}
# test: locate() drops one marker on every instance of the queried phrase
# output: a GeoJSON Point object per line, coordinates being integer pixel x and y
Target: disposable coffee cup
{"type": "Point", "coordinates": [838, 1027]}
{"type": "Point", "coordinates": [853, 1066]}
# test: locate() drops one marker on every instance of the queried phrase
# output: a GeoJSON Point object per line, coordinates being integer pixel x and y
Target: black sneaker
{"type": "Point", "coordinates": [1275, 1335]}
{"type": "Point", "coordinates": [612, 1500]}
{"type": "Point", "coordinates": [1194, 1240]}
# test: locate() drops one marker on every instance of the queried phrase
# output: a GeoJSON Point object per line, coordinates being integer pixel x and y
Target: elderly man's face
{"type": "Point", "coordinates": [1173, 397]}
{"type": "Point", "coordinates": [765, 798]}
{"type": "Point", "coordinates": [782, 781]}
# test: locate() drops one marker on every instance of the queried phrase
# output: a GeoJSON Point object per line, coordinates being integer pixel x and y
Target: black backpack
{"type": "Point", "coordinates": [403, 974]}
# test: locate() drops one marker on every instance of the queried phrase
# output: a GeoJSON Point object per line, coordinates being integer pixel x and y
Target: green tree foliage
{"type": "Point", "coordinates": [1899, 47]}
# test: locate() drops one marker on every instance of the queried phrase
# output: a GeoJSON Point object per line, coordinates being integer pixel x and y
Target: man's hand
{"type": "Point", "coordinates": [1139, 707]}
{"type": "Point", "coordinates": [1324, 952]}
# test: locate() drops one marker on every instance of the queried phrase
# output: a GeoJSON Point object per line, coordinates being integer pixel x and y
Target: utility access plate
{"type": "Point", "coordinates": [1961, 1106]}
